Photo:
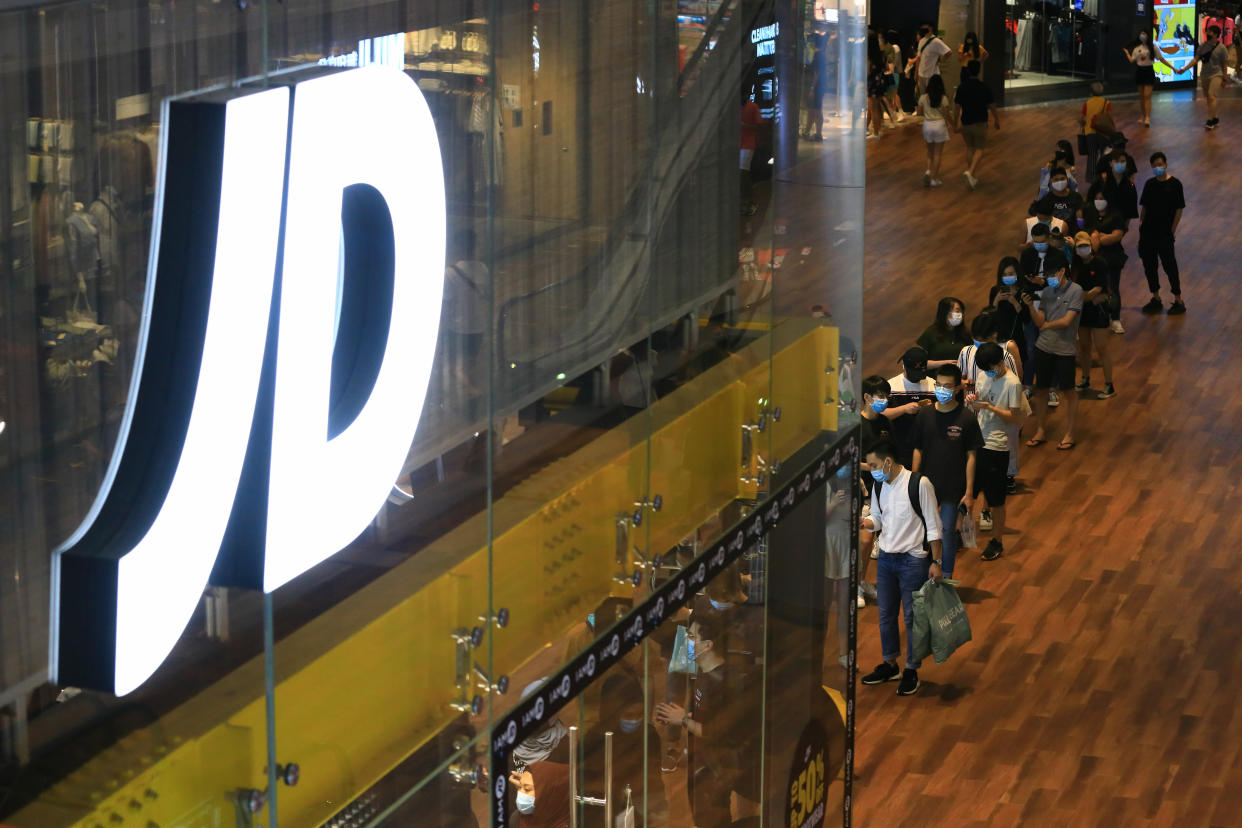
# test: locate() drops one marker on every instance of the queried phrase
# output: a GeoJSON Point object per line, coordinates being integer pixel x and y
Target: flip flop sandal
{"type": "Point", "coordinates": [1035, 441]}
{"type": "Point", "coordinates": [1064, 446]}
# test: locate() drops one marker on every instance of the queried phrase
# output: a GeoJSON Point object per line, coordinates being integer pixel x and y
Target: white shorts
{"type": "Point", "coordinates": [935, 132]}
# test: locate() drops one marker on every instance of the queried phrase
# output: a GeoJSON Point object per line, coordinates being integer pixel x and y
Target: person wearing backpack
{"type": "Point", "coordinates": [906, 518]}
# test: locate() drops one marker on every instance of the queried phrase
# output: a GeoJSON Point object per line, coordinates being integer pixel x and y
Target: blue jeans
{"type": "Point", "coordinates": [898, 577]}
{"type": "Point", "coordinates": [948, 536]}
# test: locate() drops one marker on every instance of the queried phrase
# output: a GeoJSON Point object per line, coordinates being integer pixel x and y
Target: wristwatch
{"type": "Point", "coordinates": [938, 563]}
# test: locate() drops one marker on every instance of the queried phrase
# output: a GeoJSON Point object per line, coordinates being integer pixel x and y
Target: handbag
{"type": "Point", "coordinates": [946, 619]}
{"type": "Point", "coordinates": [967, 527]}
{"type": "Point", "coordinates": [625, 819]}
{"type": "Point", "coordinates": [679, 661]}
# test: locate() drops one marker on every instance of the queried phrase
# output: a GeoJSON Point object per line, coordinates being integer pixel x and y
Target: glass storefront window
{"type": "Point", "coordinates": [1049, 43]}
{"type": "Point", "coordinates": [650, 314]}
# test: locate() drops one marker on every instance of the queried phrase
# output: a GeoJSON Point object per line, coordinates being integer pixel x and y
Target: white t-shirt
{"type": "Point", "coordinates": [900, 385]}
{"type": "Point", "coordinates": [1004, 392]}
{"type": "Point", "coordinates": [929, 56]}
{"type": "Point", "coordinates": [1056, 225]}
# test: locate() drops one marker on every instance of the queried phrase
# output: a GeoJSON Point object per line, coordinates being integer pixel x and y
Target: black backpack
{"type": "Point", "coordinates": [912, 490]}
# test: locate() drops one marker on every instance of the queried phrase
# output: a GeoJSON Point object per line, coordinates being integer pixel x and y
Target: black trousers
{"type": "Point", "coordinates": [1152, 247]}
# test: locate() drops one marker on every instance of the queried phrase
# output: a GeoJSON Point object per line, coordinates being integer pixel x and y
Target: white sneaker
{"type": "Point", "coordinates": [862, 602]}
{"type": "Point", "coordinates": [844, 661]}
{"type": "Point", "coordinates": [985, 520]}
{"type": "Point", "coordinates": [1053, 399]}
{"type": "Point", "coordinates": [935, 182]}
{"type": "Point", "coordinates": [927, 178]}
{"type": "Point", "coordinates": [971, 181]}
{"type": "Point", "coordinates": [1116, 327]}
{"type": "Point", "coordinates": [868, 591]}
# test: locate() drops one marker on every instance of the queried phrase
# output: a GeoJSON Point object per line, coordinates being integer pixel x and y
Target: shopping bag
{"type": "Point", "coordinates": [920, 634]}
{"type": "Point", "coordinates": [946, 616]}
{"type": "Point", "coordinates": [680, 661]}
{"type": "Point", "coordinates": [967, 527]}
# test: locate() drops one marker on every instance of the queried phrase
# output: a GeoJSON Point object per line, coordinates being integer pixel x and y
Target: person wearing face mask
{"type": "Point", "coordinates": [1091, 274]}
{"type": "Point", "coordinates": [1144, 56]}
{"type": "Point", "coordinates": [1063, 159]}
{"type": "Point", "coordinates": [875, 428]}
{"type": "Point", "coordinates": [542, 795]}
{"type": "Point", "coordinates": [1056, 317]}
{"type": "Point", "coordinates": [913, 380]}
{"type": "Point", "coordinates": [928, 56]}
{"type": "Point", "coordinates": [984, 330]}
{"type": "Point", "coordinates": [1160, 211]}
{"type": "Point", "coordinates": [1061, 202]}
{"type": "Point", "coordinates": [1011, 315]}
{"type": "Point", "coordinates": [1057, 229]}
{"type": "Point", "coordinates": [945, 337]}
{"type": "Point", "coordinates": [838, 526]}
{"type": "Point", "coordinates": [906, 516]}
{"type": "Point", "coordinates": [1116, 176]}
{"type": "Point", "coordinates": [723, 756]}
{"type": "Point", "coordinates": [634, 739]}
{"type": "Point", "coordinates": [1000, 406]}
{"type": "Point", "coordinates": [1108, 227]}
{"type": "Point", "coordinates": [946, 444]}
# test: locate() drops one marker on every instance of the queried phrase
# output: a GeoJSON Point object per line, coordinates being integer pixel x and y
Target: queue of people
{"type": "Point", "coordinates": [942, 439]}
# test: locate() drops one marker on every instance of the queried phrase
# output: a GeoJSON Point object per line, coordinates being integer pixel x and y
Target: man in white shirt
{"type": "Point", "coordinates": [930, 53]}
{"type": "Point", "coordinates": [910, 551]}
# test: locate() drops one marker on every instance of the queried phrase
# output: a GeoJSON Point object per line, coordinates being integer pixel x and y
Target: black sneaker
{"type": "Point", "coordinates": [1177, 308]}
{"type": "Point", "coordinates": [1154, 306]}
{"type": "Point", "coordinates": [993, 551]}
{"type": "Point", "coordinates": [1085, 385]}
{"type": "Point", "coordinates": [909, 682]}
{"type": "Point", "coordinates": [1011, 482]}
{"type": "Point", "coordinates": [1108, 391]}
{"type": "Point", "coordinates": [1211, 123]}
{"type": "Point", "coordinates": [885, 672]}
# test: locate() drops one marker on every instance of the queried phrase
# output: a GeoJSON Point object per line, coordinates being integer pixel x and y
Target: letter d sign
{"type": "Point", "coordinates": [291, 318]}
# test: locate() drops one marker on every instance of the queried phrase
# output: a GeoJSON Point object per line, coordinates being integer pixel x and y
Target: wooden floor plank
{"type": "Point", "coordinates": [1101, 685]}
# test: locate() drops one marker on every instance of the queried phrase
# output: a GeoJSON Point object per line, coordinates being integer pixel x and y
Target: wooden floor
{"type": "Point", "coordinates": [1103, 683]}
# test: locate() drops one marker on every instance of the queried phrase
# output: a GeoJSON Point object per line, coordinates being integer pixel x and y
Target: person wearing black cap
{"type": "Point", "coordinates": [912, 380]}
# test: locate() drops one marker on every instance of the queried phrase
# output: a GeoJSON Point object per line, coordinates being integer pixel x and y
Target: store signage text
{"type": "Point", "coordinates": [388, 50]}
{"type": "Point", "coordinates": [286, 347]}
{"type": "Point", "coordinates": [764, 39]}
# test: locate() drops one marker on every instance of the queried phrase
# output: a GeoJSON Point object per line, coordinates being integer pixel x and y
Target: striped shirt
{"type": "Point", "coordinates": [970, 371]}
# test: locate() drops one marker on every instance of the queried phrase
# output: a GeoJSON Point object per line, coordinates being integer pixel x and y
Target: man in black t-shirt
{"type": "Point", "coordinates": [947, 440]}
{"type": "Point", "coordinates": [1061, 202]}
{"type": "Point", "coordinates": [1161, 208]}
{"type": "Point", "coordinates": [974, 102]}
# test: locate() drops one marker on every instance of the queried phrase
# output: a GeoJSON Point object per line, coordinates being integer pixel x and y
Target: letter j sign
{"type": "Point", "coordinates": [291, 316]}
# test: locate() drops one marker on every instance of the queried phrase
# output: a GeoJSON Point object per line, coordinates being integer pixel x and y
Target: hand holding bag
{"type": "Point", "coordinates": [680, 661]}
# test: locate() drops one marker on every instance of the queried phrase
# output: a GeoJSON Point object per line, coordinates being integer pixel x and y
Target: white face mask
{"type": "Point", "coordinates": [955, 319]}
{"type": "Point", "coordinates": [1100, 205]}
{"type": "Point", "coordinates": [1060, 186]}
{"type": "Point", "coordinates": [1084, 252]}
{"type": "Point", "coordinates": [525, 802]}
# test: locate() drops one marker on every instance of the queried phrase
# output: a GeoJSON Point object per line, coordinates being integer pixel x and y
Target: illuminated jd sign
{"type": "Point", "coordinates": [292, 310]}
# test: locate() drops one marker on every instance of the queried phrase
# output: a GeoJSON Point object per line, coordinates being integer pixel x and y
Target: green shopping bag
{"type": "Point", "coordinates": [946, 618]}
{"type": "Point", "coordinates": [920, 634]}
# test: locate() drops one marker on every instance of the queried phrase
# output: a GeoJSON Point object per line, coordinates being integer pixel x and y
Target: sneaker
{"type": "Point", "coordinates": [868, 591]}
{"type": "Point", "coordinates": [1085, 385]}
{"type": "Point", "coordinates": [985, 520]}
{"type": "Point", "coordinates": [1154, 306]}
{"type": "Point", "coordinates": [909, 682]}
{"type": "Point", "coordinates": [671, 759]}
{"type": "Point", "coordinates": [884, 672]}
{"type": "Point", "coordinates": [992, 551]}
{"type": "Point", "coordinates": [926, 178]}
{"type": "Point", "coordinates": [860, 600]}
{"type": "Point", "coordinates": [1053, 399]}
{"type": "Point", "coordinates": [1177, 308]}
{"type": "Point", "coordinates": [1011, 482]}
{"type": "Point", "coordinates": [1116, 327]}
{"type": "Point", "coordinates": [1211, 123]}
{"type": "Point", "coordinates": [936, 182]}
{"type": "Point", "coordinates": [844, 661]}
{"type": "Point", "coordinates": [1108, 391]}
{"type": "Point", "coordinates": [971, 181]}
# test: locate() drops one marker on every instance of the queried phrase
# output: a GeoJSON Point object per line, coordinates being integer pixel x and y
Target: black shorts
{"type": "Point", "coordinates": [1054, 370]}
{"type": "Point", "coordinates": [991, 475]}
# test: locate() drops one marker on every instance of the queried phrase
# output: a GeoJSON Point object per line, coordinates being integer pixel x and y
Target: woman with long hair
{"type": "Point", "coordinates": [946, 336]}
{"type": "Point", "coordinates": [971, 49]}
{"type": "Point", "coordinates": [1105, 220]}
{"type": "Point", "coordinates": [937, 125]}
{"type": "Point", "coordinates": [1143, 53]}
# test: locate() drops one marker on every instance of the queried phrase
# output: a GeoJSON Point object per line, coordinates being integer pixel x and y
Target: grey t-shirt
{"type": "Point", "coordinates": [1056, 303]}
{"type": "Point", "coordinates": [1213, 59]}
{"type": "Point", "coordinates": [1004, 393]}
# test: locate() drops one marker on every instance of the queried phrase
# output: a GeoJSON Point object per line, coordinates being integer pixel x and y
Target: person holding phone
{"type": "Point", "coordinates": [1056, 349]}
